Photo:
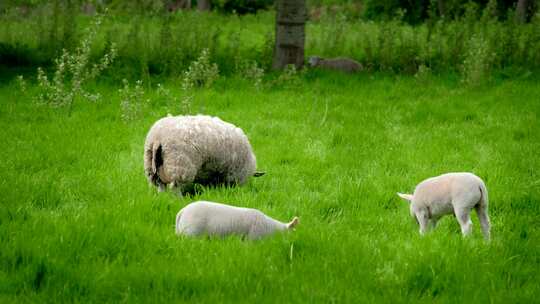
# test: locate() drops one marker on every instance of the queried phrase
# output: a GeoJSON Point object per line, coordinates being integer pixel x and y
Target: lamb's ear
{"type": "Point", "coordinates": [407, 197]}
{"type": "Point", "coordinates": [259, 173]}
{"type": "Point", "coordinates": [293, 223]}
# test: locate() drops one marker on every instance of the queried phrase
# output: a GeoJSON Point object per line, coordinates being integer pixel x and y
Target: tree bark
{"type": "Point", "coordinates": [442, 8]}
{"type": "Point", "coordinates": [522, 10]}
{"type": "Point", "coordinates": [203, 5]}
{"type": "Point", "coordinates": [291, 18]}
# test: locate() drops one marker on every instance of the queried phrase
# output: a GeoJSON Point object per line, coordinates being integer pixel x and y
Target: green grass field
{"type": "Point", "coordinates": [79, 223]}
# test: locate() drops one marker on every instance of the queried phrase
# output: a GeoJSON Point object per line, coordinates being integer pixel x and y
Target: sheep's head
{"type": "Point", "coordinates": [314, 60]}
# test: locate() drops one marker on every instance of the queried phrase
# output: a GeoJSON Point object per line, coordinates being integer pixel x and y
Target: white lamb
{"type": "Point", "coordinates": [214, 219]}
{"type": "Point", "coordinates": [456, 193]}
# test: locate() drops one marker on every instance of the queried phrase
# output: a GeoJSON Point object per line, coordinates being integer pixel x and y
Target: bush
{"type": "Point", "coordinates": [132, 100]}
{"type": "Point", "coordinates": [478, 61]}
{"type": "Point", "coordinates": [201, 72]}
{"type": "Point", "coordinates": [72, 71]}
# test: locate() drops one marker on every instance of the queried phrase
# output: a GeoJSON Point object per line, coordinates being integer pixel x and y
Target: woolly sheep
{"type": "Point", "coordinates": [182, 150]}
{"type": "Point", "coordinates": [456, 193]}
{"type": "Point", "coordinates": [346, 65]}
{"type": "Point", "coordinates": [215, 219]}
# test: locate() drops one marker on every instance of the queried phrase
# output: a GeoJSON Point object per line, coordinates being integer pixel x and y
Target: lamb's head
{"type": "Point", "coordinates": [293, 223]}
{"type": "Point", "coordinates": [314, 60]}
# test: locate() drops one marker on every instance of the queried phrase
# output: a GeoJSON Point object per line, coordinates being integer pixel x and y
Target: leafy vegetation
{"type": "Point", "coordinates": [476, 43]}
{"type": "Point", "coordinates": [79, 222]}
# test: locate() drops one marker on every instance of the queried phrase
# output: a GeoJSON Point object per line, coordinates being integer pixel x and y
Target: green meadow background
{"type": "Point", "coordinates": [79, 222]}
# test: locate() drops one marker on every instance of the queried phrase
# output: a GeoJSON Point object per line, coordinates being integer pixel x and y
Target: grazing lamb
{"type": "Point", "coordinates": [214, 219]}
{"type": "Point", "coordinates": [184, 150]}
{"type": "Point", "coordinates": [346, 65]}
{"type": "Point", "coordinates": [456, 193]}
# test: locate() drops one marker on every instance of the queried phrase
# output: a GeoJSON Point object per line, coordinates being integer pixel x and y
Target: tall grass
{"type": "Point", "coordinates": [167, 44]}
{"type": "Point", "coordinates": [442, 46]}
{"type": "Point", "coordinates": [79, 223]}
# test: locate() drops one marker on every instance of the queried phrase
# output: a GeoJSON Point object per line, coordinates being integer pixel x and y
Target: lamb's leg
{"type": "Point", "coordinates": [423, 221]}
{"type": "Point", "coordinates": [433, 223]}
{"type": "Point", "coordinates": [483, 217]}
{"type": "Point", "coordinates": [463, 216]}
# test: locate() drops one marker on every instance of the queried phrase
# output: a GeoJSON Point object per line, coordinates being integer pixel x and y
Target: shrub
{"type": "Point", "coordinates": [423, 74]}
{"type": "Point", "coordinates": [289, 78]}
{"type": "Point", "coordinates": [477, 64]}
{"type": "Point", "coordinates": [250, 70]}
{"type": "Point", "coordinates": [201, 73]}
{"type": "Point", "coordinates": [72, 71]}
{"type": "Point", "coordinates": [132, 101]}
{"type": "Point", "coordinates": [179, 105]}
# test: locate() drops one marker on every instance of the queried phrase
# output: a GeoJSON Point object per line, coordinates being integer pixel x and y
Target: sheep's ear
{"type": "Point", "coordinates": [293, 223]}
{"type": "Point", "coordinates": [259, 173]}
{"type": "Point", "coordinates": [407, 197]}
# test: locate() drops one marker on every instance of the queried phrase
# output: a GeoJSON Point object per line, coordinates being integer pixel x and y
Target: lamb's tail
{"type": "Point", "coordinates": [293, 223]}
{"type": "Point", "coordinates": [483, 195]}
{"type": "Point", "coordinates": [407, 197]}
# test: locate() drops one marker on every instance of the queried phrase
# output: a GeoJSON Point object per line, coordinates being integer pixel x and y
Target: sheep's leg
{"type": "Point", "coordinates": [483, 217]}
{"type": "Point", "coordinates": [161, 186]}
{"type": "Point", "coordinates": [177, 189]}
{"type": "Point", "coordinates": [463, 216]}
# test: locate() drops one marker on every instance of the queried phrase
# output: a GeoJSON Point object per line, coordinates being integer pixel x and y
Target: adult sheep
{"type": "Point", "coordinates": [184, 150]}
{"type": "Point", "coordinates": [342, 64]}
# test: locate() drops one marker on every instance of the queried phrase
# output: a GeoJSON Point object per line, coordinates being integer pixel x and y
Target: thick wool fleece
{"type": "Point", "coordinates": [451, 193]}
{"type": "Point", "coordinates": [214, 219]}
{"type": "Point", "coordinates": [182, 150]}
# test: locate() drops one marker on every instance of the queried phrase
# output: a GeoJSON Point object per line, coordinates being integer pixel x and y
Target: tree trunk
{"type": "Point", "coordinates": [291, 18]}
{"type": "Point", "coordinates": [203, 5]}
{"type": "Point", "coordinates": [442, 7]}
{"type": "Point", "coordinates": [521, 10]}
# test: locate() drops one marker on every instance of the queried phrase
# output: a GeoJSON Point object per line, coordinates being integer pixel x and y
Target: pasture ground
{"type": "Point", "coordinates": [79, 223]}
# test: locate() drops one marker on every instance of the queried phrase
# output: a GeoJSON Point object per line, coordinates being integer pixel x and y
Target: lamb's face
{"type": "Point", "coordinates": [314, 60]}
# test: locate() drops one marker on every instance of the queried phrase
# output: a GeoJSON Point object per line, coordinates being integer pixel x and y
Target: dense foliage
{"type": "Point", "coordinates": [165, 44]}
{"type": "Point", "coordinates": [78, 92]}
